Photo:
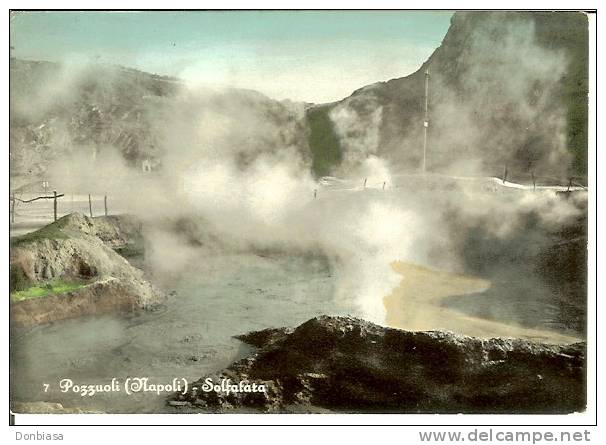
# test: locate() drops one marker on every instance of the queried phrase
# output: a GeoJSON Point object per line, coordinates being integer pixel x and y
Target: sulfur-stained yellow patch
{"type": "Point", "coordinates": [415, 305]}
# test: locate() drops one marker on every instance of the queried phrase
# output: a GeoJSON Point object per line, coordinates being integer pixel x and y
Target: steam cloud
{"type": "Point", "coordinates": [235, 168]}
{"type": "Point", "coordinates": [493, 101]}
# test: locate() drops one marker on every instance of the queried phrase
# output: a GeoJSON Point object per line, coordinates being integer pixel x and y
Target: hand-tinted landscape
{"type": "Point", "coordinates": [418, 246]}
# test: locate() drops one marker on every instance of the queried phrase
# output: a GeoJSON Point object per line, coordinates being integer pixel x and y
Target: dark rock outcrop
{"type": "Point", "coordinates": [350, 365]}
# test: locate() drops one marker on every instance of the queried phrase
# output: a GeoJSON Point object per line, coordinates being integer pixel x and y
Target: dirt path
{"type": "Point", "coordinates": [415, 305]}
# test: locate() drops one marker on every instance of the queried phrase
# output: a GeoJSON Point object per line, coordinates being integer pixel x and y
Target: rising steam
{"type": "Point", "coordinates": [236, 166]}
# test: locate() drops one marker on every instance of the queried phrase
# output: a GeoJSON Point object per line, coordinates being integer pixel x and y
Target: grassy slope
{"type": "Point", "coordinates": [19, 284]}
{"type": "Point", "coordinates": [51, 231]}
{"type": "Point", "coordinates": [53, 288]}
{"type": "Point", "coordinates": [323, 141]}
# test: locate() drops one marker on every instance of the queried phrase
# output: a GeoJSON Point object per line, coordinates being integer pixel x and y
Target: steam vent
{"type": "Point", "coordinates": [301, 212]}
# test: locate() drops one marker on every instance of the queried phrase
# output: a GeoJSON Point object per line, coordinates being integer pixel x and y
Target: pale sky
{"type": "Point", "coordinates": [312, 56]}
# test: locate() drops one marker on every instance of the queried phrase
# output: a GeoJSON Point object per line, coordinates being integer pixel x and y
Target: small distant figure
{"type": "Point", "coordinates": [315, 193]}
{"type": "Point", "coordinates": [365, 179]}
{"type": "Point", "coordinates": [383, 185]}
{"type": "Point", "coordinates": [146, 166]}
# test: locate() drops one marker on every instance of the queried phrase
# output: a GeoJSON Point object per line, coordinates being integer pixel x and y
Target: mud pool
{"type": "Point", "coordinates": [226, 295]}
{"type": "Point", "coordinates": [188, 337]}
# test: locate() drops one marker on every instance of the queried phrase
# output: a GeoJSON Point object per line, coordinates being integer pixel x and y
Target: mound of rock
{"type": "Point", "coordinates": [82, 250]}
{"type": "Point", "coordinates": [350, 365]}
{"type": "Point", "coordinates": [119, 232]}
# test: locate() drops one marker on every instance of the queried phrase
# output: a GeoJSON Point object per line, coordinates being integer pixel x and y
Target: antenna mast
{"type": "Point", "coordinates": [426, 120]}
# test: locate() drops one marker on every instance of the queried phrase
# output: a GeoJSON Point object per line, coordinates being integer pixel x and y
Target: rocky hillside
{"type": "Point", "coordinates": [350, 365]}
{"type": "Point", "coordinates": [504, 89]}
{"type": "Point", "coordinates": [56, 110]}
{"type": "Point", "coordinates": [60, 111]}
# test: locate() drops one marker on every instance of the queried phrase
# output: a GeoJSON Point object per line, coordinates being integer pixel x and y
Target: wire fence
{"type": "Point", "coordinates": [433, 181]}
{"type": "Point", "coordinates": [30, 211]}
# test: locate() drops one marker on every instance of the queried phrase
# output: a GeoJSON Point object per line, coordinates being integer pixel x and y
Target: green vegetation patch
{"type": "Point", "coordinates": [17, 278]}
{"type": "Point", "coordinates": [325, 147]}
{"type": "Point", "coordinates": [131, 250]}
{"type": "Point", "coordinates": [51, 231]}
{"type": "Point", "coordinates": [44, 290]}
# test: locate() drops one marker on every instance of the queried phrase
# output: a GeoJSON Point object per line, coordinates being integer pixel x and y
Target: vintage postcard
{"type": "Point", "coordinates": [299, 212]}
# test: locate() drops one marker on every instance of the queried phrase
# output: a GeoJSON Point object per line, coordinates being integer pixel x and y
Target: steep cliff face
{"type": "Point", "coordinates": [504, 89]}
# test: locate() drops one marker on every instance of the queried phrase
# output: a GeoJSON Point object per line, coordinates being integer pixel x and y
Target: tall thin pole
{"type": "Point", "coordinates": [426, 120]}
{"type": "Point", "coordinates": [105, 204]}
{"type": "Point", "coordinates": [13, 209]}
{"type": "Point", "coordinates": [55, 205]}
{"type": "Point", "coordinates": [90, 206]}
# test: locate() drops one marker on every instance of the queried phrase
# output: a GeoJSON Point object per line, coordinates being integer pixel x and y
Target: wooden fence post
{"type": "Point", "coordinates": [105, 204]}
{"type": "Point", "coordinates": [569, 184]}
{"type": "Point", "coordinates": [13, 209]}
{"type": "Point", "coordinates": [534, 181]}
{"type": "Point", "coordinates": [90, 206]}
{"type": "Point", "coordinates": [504, 174]}
{"type": "Point", "coordinates": [55, 205]}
